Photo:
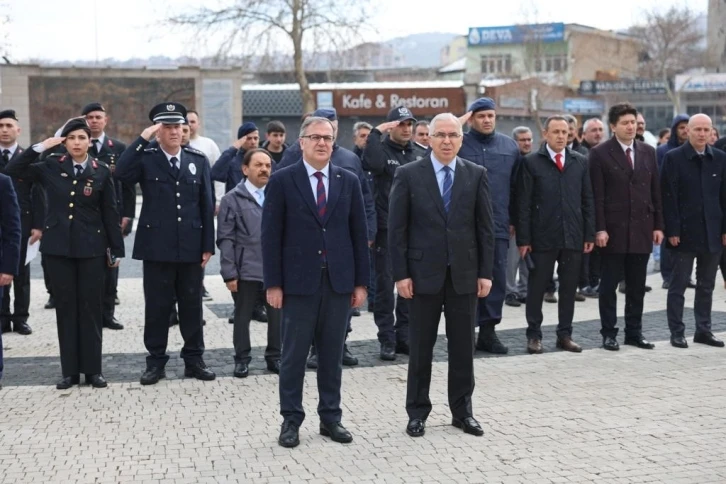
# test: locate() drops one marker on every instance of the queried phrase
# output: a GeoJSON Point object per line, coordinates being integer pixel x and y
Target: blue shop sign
{"type": "Point", "coordinates": [582, 105]}
{"type": "Point", "coordinates": [517, 34]}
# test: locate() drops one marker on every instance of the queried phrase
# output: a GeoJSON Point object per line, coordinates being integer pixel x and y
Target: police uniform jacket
{"type": "Point", "coordinates": [177, 216]}
{"type": "Point", "coordinates": [30, 198]}
{"type": "Point", "coordinates": [82, 218]}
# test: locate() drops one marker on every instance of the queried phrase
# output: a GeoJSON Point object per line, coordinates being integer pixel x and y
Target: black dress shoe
{"type": "Point", "coordinates": [260, 314]}
{"type": "Point", "coordinates": [116, 301]}
{"type": "Point", "coordinates": [205, 294]}
{"type": "Point", "coordinates": [50, 304]}
{"type": "Point", "coordinates": [512, 301]}
{"type": "Point", "coordinates": [312, 362]}
{"type": "Point", "coordinates": [230, 320]}
{"type": "Point", "coordinates": [21, 327]}
{"type": "Point", "coordinates": [403, 348]}
{"type": "Point", "coordinates": [336, 432]}
{"type": "Point", "coordinates": [241, 370]}
{"type": "Point", "coordinates": [640, 342]}
{"type": "Point", "coordinates": [489, 341]}
{"type": "Point", "coordinates": [580, 297]}
{"type": "Point", "coordinates": [707, 339]}
{"type": "Point", "coordinates": [348, 358]}
{"type": "Point", "coordinates": [289, 436]}
{"type": "Point", "coordinates": [691, 285]}
{"type": "Point", "coordinates": [648, 288]}
{"type": "Point", "coordinates": [590, 292]}
{"type": "Point", "coordinates": [355, 312]}
{"type": "Point", "coordinates": [469, 425]}
{"type": "Point", "coordinates": [68, 381]}
{"type": "Point", "coordinates": [610, 343]}
{"type": "Point", "coordinates": [666, 285]}
{"type": "Point", "coordinates": [273, 366]}
{"type": "Point", "coordinates": [388, 352]}
{"type": "Point", "coordinates": [200, 371]}
{"type": "Point", "coordinates": [152, 375]}
{"type": "Point", "coordinates": [416, 427]}
{"type": "Point", "coordinates": [96, 381]}
{"type": "Point", "coordinates": [550, 297]}
{"type": "Point", "coordinates": [113, 324]}
{"type": "Point", "coordinates": [679, 342]}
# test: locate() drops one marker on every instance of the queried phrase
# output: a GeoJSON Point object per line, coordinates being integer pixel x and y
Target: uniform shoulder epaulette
{"type": "Point", "coordinates": [189, 149]}
{"type": "Point", "coordinates": [151, 150]}
{"type": "Point", "coordinates": [54, 154]}
{"type": "Point", "coordinates": [101, 163]}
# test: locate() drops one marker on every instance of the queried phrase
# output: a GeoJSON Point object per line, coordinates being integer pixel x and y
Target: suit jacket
{"type": "Point", "coordinates": [177, 215]}
{"type": "Point", "coordinates": [694, 198]}
{"type": "Point", "coordinates": [627, 202]}
{"type": "Point", "coordinates": [295, 238]}
{"type": "Point", "coordinates": [82, 220]}
{"type": "Point", "coordinates": [9, 228]}
{"type": "Point", "coordinates": [30, 198]}
{"type": "Point", "coordinates": [110, 152]}
{"type": "Point", "coordinates": [423, 238]}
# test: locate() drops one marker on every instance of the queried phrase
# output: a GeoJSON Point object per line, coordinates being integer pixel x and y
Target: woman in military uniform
{"type": "Point", "coordinates": [81, 236]}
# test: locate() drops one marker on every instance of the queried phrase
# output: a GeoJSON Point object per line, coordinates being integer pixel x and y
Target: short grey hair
{"type": "Point", "coordinates": [557, 117]}
{"type": "Point", "coordinates": [361, 125]}
{"type": "Point", "coordinates": [446, 117]}
{"type": "Point", "coordinates": [590, 122]}
{"type": "Point", "coordinates": [311, 120]}
{"type": "Point", "coordinates": [420, 123]}
{"type": "Point", "coordinates": [570, 119]}
{"type": "Point", "coordinates": [520, 130]}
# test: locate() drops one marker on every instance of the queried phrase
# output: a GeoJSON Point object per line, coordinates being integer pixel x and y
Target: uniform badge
{"type": "Point", "coordinates": [192, 168]}
{"type": "Point", "coordinates": [87, 191]}
{"type": "Point", "coordinates": [95, 165]}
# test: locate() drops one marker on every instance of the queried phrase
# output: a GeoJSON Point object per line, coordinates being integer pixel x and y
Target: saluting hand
{"type": "Point", "coordinates": [52, 142]}
{"type": "Point", "coordinates": [388, 126]}
{"type": "Point", "coordinates": [240, 142]}
{"type": "Point", "coordinates": [359, 295]}
{"type": "Point", "coordinates": [149, 132]}
{"type": "Point", "coordinates": [463, 119]}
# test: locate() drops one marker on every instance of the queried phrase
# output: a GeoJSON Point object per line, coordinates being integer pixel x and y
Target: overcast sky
{"type": "Point", "coordinates": [57, 30]}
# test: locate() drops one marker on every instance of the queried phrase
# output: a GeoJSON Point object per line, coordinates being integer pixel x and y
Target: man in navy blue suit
{"type": "Point", "coordinates": [9, 240]}
{"type": "Point", "coordinates": [315, 267]}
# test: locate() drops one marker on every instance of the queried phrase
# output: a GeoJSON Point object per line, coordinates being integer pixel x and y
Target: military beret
{"type": "Point", "coordinates": [89, 108]}
{"type": "Point", "coordinates": [246, 128]}
{"type": "Point", "coordinates": [74, 125]}
{"type": "Point", "coordinates": [168, 113]}
{"type": "Point", "coordinates": [328, 113]}
{"type": "Point", "coordinates": [483, 104]}
{"type": "Point", "coordinates": [400, 114]}
{"type": "Point", "coordinates": [8, 113]}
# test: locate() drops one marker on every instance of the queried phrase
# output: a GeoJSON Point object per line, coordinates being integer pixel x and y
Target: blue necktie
{"type": "Point", "coordinates": [446, 191]}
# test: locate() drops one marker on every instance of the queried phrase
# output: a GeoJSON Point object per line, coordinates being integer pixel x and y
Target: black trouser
{"type": "Point", "coordinates": [490, 307]}
{"type": "Point", "coordinates": [109, 294]}
{"type": "Point", "coordinates": [320, 317]}
{"type": "Point", "coordinates": [245, 300]}
{"type": "Point", "coordinates": [78, 291]}
{"type": "Point", "coordinates": [666, 262]}
{"type": "Point", "coordinates": [590, 269]}
{"type": "Point", "coordinates": [632, 268]}
{"type": "Point", "coordinates": [388, 332]}
{"type": "Point", "coordinates": [163, 282]}
{"type": "Point", "coordinates": [46, 276]}
{"type": "Point", "coordinates": [20, 287]}
{"type": "Point", "coordinates": [460, 313]}
{"type": "Point", "coordinates": [706, 268]}
{"type": "Point", "coordinates": [568, 271]}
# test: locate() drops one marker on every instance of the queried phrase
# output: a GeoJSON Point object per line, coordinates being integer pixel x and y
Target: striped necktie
{"type": "Point", "coordinates": [321, 199]}
{"type": "Point", "coordinates": [446, 190]}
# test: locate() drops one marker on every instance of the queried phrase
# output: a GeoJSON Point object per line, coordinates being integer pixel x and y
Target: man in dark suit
{"type": "Point", "coordinates": [9, 241]}
{"type": "Point", "coordinates": [315, 267]}
{"type": "Point", "coordinates": [555, 223]}
{"type": "Point", "coordinates": [628, 221]}
{"type": "Point", "coordinates": [174, 238]}
{"type": "Point", "coordinates": [32, 214]}
{"type": "Point", "coordinates": [693, 181]}
{"type": "Point", "coordinates": [109, 150]}
{"type": "Point", "coordinates": [441, 240]}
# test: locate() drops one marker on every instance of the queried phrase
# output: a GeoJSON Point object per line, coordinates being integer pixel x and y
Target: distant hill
{"type": "Point", "coordinates": [421, 50]}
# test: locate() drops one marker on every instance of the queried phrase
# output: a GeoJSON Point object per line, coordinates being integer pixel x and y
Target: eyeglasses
{"type": "Point", "coordinates": [452, 136]}
{"type": "Point", "coordinates": [316, 138]}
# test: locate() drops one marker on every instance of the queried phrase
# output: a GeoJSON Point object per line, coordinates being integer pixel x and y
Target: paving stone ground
{"type": "Point", "coordinates": [627, 417]}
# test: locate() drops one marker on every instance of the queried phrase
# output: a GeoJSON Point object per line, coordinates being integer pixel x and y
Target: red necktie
{"type": "Point", "coordinates": [558, 161]}
{"type": "Point", "coordinates": [630, 159]}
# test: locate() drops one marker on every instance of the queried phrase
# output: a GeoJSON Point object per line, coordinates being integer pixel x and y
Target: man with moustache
{"type": "Point", "coordinates": [694, 205]}
{"type": "Point", "coordinates": [421, 138]}
{"type": "Point", "coordinates": [315, 266]}
{"type": "Point", "coordinates": [109, 150]}
{"type": "Point", "coordinates": [593, 132]}
{"type": "Point", "coordinates": [32, 213]}
{"type": "Point", "coordinates": [628, 221]}
{"type": "Point", "coordinates": [175, 237]}
{"type": "Point", "coordinates": [498, 153]}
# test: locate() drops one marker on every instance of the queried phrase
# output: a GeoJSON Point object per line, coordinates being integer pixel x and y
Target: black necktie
{"type": "Point", "coordinates": [174, 167]}
{"type": "Point", "coordinates": [6, 155]}
{"type": "Point", "coordinates": [79, 170]}
{"type": "Point", "coordinates": [94, 147]}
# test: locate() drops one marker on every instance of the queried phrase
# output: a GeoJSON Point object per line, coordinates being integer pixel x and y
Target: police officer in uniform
{"type": "Point", "coordinates": [175, 236]}
{"type": "Point", "coordinates": [81, 237]}
{"type": "Point", "coordinates": [32, 213]}
{"type": "Point", "coordinates": [108, 150]}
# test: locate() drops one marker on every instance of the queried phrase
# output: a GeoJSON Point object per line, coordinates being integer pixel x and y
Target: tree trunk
{"type": "Point", "coordinates": [308, 102]}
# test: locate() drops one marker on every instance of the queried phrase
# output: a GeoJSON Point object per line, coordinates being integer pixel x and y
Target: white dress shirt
{"type": "Point", "coordinates": [12, 149]}
{"type": "Point", "coordinates": [632, 150]}
{"type": "Point", "coordinates": [314, 180]}
{"type": "Point", "coordinates": [553, 153]}
{"type": "Point", "coordinates": [441, 174]}
{"type": "Point", "coordinates": [169, 156]}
